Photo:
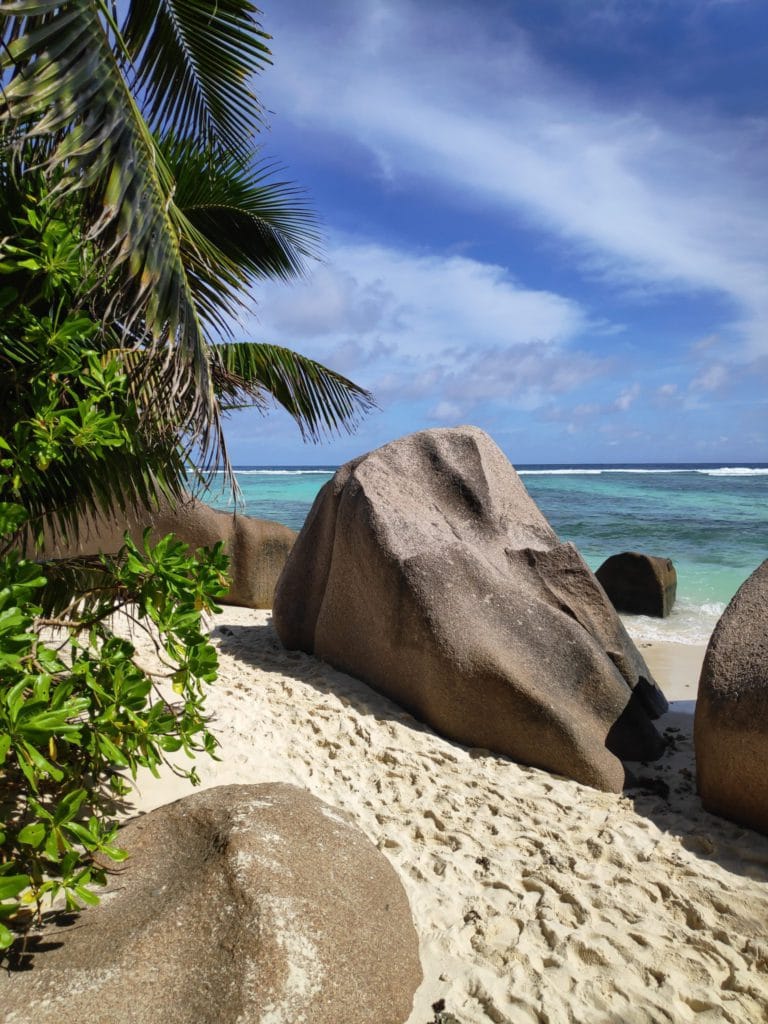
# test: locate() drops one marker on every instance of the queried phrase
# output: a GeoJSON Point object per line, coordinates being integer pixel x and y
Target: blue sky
{"type": "Point", "coordinates": [548, 218]}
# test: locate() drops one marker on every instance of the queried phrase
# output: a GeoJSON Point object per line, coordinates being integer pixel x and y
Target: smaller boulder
{"type": "Point", "coordinates": [731, 723]}
{"type": "Point", "coordinates": [639, 584]}
{"type": "Point", "coordinates": [237, 905]}
{"type": "Point", "coordinates": [257, 548]}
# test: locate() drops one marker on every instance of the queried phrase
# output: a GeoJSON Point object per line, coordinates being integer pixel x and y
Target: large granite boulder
{"type": "Point", "coordinates": [731, 723]}
{"type": "Point", "coordinates": [238, 905]}
{"type": "Point", "coordinates": [257, 548]}
{"type": "Point", "coordinates": [639, 584]}
{"type": "Point", "coordinates": [425, 569]}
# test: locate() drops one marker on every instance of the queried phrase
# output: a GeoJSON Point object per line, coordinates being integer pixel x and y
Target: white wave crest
{"type": "Point", "coordinates": [559, 472]}
{"type": "Point", "coordinates": [734, 471]}
{"type": "Point", "coordinates": [283, 472]}
{"type": "Point", "coordinates": [568, 471]}
{"type": "Point", "coordinates": [575, 471]}
{"type": "Point", "coordinates": [712, 471]}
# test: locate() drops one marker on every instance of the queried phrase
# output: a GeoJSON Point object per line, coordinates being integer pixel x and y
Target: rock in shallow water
{"type": "Point", "coordinates": [425, 569]}
{"type": "Point", "coordinates": [238, 905]}
{"type": "Point", "coordinates": [731, 723]}
{"type": "Point", "coordinates": [639, 584]}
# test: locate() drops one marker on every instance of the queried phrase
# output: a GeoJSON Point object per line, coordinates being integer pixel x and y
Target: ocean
{"type": "Point", "coordinates": [711, 520]}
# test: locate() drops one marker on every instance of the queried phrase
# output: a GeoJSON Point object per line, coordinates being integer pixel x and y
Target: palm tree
{"type": "Point", "coordinates": [134, 218]}
{"type": "Point", "coordinates": [147, 130]}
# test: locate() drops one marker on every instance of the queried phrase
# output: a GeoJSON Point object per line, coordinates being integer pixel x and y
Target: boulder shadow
{"type": "Point", "coordinates": [259, 647]}
{"type": "Point", "coordinates": [664, 791]}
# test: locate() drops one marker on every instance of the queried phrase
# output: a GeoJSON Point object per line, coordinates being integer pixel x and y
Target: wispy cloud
{"type": "Point", "coordinates": [627, 398]}
{"type": "Point", "coordinates": [450, 332]}
{"type": "Point", "coordinates": [712, 378]}
{"type": "Point", "coordinates": [423, 303]}
{"type": "Point", "coordinates": [672, 198]}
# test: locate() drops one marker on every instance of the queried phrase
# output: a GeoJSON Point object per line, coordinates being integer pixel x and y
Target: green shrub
{"type": "Point", "coordinates": [79, 715]}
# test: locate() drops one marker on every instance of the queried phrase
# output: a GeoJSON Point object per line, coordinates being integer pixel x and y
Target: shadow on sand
{"type": "Point", "coordinates": [663, 791]}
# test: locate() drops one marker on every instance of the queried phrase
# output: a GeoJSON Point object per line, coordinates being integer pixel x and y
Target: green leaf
{"type": "Point", "coordinates": [69, 806]}
{"type": "Point", "coordinates": [53, 847]}
{"type": "Point", "coordinates": [86, 895]}
{"type": "Point", "coordinates": [41, 763]}
{"type": "Point", "coordinates": [7, 938]}
{"type": "Point", "coordinates": [32, 834]}
{"type": "Point", "coordinates": [110, 751]}
{"type": "Point", "coordinates": [12, 518]}
{"type": "Point", "coordinates": [82, 834]}
{"type": "Point", "coordinates": [12, 885]}
{"type": "Point", "coordinates": [15, 697]}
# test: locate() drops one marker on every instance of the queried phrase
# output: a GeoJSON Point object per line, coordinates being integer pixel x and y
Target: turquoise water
{"type": "Point", "coordinates": [712, 521]}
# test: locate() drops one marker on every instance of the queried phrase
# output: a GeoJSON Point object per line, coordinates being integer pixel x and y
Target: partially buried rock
{"type": "Point", "coordinates": [639, 584]}
{"type": "Point", "coordinates": [257, 548]}
{"type": "Point", "coordinates": [425, 569]}
{"type": "Point", "coordinates": [731, 723]}
{"type": "Point", "coordinates": [247, 904]}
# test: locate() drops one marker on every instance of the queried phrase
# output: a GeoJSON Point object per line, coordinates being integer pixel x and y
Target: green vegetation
{"type": "Point", "coordinates": [134, 219]}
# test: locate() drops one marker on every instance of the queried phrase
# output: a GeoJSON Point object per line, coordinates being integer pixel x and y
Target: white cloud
{"type": "Point", "coordinates": [447, 412]}
{"type": "Point", "coordinates": [421, 303]}
{"type": "Point", "coordinates": [712, 378]}
{"type": "Point", "coordinates": [671, 199]}
{"type": "Point", "coordinates": [330, 298]}
{"type": "Point", "coordinates": [445, 330]}
{"type": "Point", "coordinates": [626, 398]}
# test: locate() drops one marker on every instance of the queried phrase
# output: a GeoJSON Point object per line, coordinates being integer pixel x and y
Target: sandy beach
{"type": "Point", "coordinates": [536, 899]}
{"type": "Point", "coordinates": [676, 667]}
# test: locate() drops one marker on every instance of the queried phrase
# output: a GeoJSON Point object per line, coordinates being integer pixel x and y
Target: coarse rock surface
{"type": "Point", "coordinates": [426, 570]}
{"type": "Point", "coordinates": [257, 548]}
{"type": "Point", "coordinates": [639, 584]}
{"type": "Point", "coordinates": [247, 904]}
{"type": "Point", "coordinates": [731, 724]}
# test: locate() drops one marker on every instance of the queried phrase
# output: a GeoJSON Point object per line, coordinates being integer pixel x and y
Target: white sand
{"type": "Point", "coordinates": [675, 667]}
{"type": "Point", "coordinates": [536, 899]}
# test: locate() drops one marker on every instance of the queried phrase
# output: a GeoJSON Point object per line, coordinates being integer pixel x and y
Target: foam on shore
{"type": "Point", "coordinates": [688, 623]}
{"type": "Point", "coordinates": [535, 898]}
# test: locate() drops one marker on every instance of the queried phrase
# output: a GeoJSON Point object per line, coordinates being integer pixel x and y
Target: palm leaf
{"type": "Point", "coordinates": [177, 252]}
{"type": "Point", "coordinates": [89, 578]}
{"type": "Point", "coordinates": [320, 400]}
{"type": "Point", "coordinates": [193, 60]}
{"type": "Point", "coordinates": [259, 226]}
{"type": "Point", "coordinates": [66, 81]}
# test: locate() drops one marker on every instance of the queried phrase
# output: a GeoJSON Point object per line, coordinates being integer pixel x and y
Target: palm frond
{"type": "Point", "coordinates": [87, 582]}
{"type": "Point", "coordinates": [261, 226]}
{"type": "Point", "coordinates": [320, 400]}
{"type": "Point", "coordinates": [193, 60]}
{"type": "Point", "coordinates": [66, 82]}
{"type": "Point", "coordinates": [58, 501]}
{"type": "Point", "coordinates": [180, 227]}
